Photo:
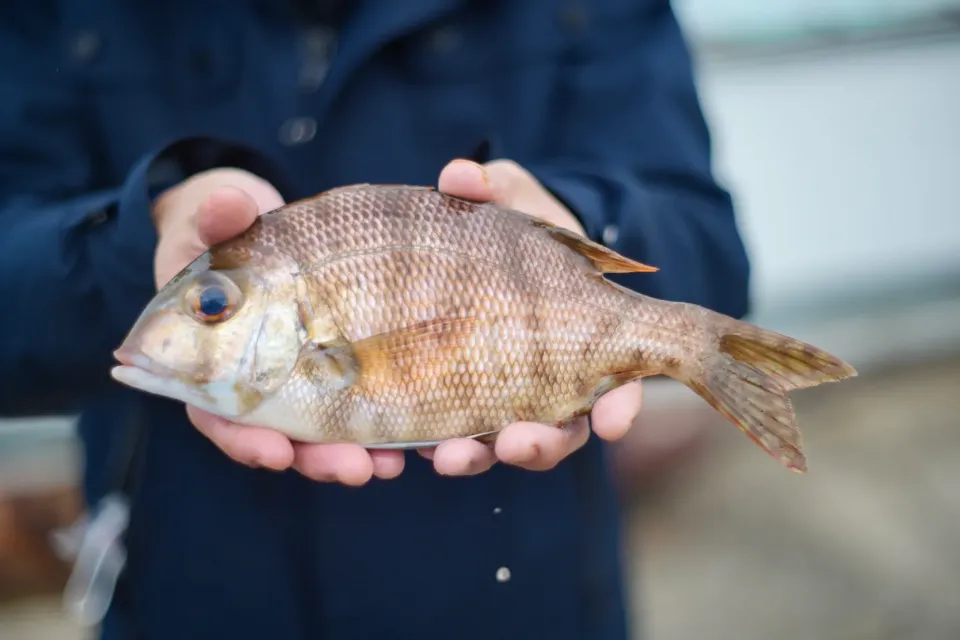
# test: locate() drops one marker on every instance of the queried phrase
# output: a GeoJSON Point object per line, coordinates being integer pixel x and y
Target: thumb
{"type": "Point", "coordinates": [226, 212]}
{"type": "Point", "coordinates": [466, 179]}
{"type": "Point", "coordinates": [500, 181]}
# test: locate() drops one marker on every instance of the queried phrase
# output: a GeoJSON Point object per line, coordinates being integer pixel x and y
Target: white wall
{"type": "Point", "coordinates": [778, 19]}
{"type": "Point", "coordinates": [845, 166]}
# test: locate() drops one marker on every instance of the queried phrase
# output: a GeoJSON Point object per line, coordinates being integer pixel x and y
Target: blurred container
{"type": "Point", "coordinates": [39, 467]}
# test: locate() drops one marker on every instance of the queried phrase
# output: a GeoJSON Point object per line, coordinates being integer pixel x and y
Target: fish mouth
{"type": "Point", "coordinates": [131, 358]}
{"type": "Point", "coordinates": [140, 372]}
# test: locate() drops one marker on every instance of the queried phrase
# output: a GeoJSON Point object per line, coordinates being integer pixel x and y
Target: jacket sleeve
{"type": "Point", "coordinates": [75, 272]}
{"type": "Point", "coordinates": [76, 261]}
{"type": "Point", "coordinates": [632, 160]}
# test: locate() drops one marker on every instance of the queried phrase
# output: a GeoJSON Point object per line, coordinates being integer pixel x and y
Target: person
{"type": "Point", "coordinates": [132, 136]}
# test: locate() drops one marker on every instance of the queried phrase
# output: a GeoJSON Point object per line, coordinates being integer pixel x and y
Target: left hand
{"type": "Point", "coordinates": [529, 445]}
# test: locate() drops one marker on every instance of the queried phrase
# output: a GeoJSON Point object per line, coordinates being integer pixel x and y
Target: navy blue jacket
{"type": "Point", "coordinates": [106, 101]}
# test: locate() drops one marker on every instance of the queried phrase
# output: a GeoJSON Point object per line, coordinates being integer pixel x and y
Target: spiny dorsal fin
{"type": "Point", "coordinates": [603, 259]}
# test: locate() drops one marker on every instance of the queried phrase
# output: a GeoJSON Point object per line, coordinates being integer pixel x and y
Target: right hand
{"type": "Point", "coordinates": [209, 208]}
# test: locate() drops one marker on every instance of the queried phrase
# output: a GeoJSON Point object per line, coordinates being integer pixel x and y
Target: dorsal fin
{"type": "Point", "coordinates": [603, 259]}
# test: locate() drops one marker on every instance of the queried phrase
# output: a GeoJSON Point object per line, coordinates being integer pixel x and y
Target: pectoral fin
{"type": "Point", "coordinates": [389, 359]}
{"type": "Point", "coordinates": [412, 351]}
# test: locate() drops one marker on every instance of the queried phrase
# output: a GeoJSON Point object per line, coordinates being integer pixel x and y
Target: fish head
{"type": "Point", "coordinates": [222, 335]}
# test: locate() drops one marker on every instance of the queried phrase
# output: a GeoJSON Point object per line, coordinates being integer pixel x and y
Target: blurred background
{"type": "Point", "coordinates": [836, 128]}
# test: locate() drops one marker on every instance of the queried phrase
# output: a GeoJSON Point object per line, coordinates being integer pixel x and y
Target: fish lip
{"type": "Point", "coordinates": [124, 355]}
{"type": "Point", "coordinates": [135, 359]}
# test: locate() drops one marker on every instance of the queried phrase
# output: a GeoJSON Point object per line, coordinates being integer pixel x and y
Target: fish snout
{"type": "Point", "coordinates": [129, 354]}
{"type": "Point", "coordinates": [147, 349]}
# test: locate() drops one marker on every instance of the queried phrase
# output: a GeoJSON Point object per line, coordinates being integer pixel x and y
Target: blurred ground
{"type": "Point", "coordinates": [865, 546]}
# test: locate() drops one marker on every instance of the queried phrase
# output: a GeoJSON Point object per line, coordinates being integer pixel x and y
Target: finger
{"type": "Point", "coordinates": [462, 457]}
{"type": "Point", "coordinates": [225, 213]}
{"type": "Point", "coordinates": [252, 446]}
{"type": "Point", "coordinates": [348, 464]}
{"type": "Point", "coordinates": [615, 412]}
{"type": "Point", "coordinates": [387, 464]}
{"type": "Point", "coordinates": [540, 447]}
{"type": "Point", "coordinates": [512, 186]}
{"type": "Point", "coordinates": [427, 452]}
{"type": "Point", "coordinates": [466, 179]}
{"type": "Point", "coordinates": [515, 188]}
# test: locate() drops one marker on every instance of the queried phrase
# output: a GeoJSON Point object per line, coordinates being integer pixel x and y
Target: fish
{"type": "Point", "coordinates": [399, 316]}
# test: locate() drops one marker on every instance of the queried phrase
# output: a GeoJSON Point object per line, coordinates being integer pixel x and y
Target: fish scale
{"type": "Point", "coordinates": [397, 316]}
{"type": "Point", "coordinates": [496, 376]}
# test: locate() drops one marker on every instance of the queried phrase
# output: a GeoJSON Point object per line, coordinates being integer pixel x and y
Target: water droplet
{"type": "Point", "coordinates": [503, 574]}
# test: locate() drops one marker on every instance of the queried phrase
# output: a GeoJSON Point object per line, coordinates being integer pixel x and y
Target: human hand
{"type": "Point", "coordinates": [525, 444]}
{"type": "Point", "coordinates": [209, 208]}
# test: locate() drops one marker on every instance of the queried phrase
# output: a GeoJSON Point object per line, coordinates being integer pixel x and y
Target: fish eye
{"type": "Point", "coordinates": [213, 298]}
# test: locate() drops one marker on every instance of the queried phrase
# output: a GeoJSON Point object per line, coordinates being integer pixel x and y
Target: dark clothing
{"type": "Point", "coordinates": [105, 102]}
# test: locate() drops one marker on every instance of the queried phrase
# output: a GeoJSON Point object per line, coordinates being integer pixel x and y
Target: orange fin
{"type": "Point", "coordinates": [603, 259]}
{"type": "Point", "coordinates": [584, 404]}
{"type": "Point", "coordinates": [616, 380]}
{"type": "Point", "coordinates": [794, 364]}
{"type": "Point", "coordinates": [384, 357]}
{"type": "Point", "coordinates": [747, 379]}
{"type": "Point", "coordinates": [489, 439]}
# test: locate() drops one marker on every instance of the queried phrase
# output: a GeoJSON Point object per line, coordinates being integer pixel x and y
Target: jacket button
{"type": "Point", "coordinates": [610, 234]}
{"type": "Point", "coordinates": [97, 217]}
{"type": "Point", "coordinates": [85, 46]}
{"type": "Point", "coordinates": [445, 40]}
{"type": "Point", "coordinates": [503, 574]}
{"type": "Point", "coordinates": [298, 131]}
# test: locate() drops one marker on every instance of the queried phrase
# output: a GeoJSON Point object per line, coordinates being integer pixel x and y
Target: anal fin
{"type": "Point", "coordinates": [487, 438]}
{"type": "Point", "coordinates": [584, 405]}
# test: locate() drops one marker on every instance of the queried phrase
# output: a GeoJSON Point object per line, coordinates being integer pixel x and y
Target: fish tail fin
{"type": "Point", "coordinates": [746, 375]}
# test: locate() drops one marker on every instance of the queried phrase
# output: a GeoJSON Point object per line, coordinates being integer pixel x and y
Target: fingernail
{"type": "Point", "coordinates": [473, 166]}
